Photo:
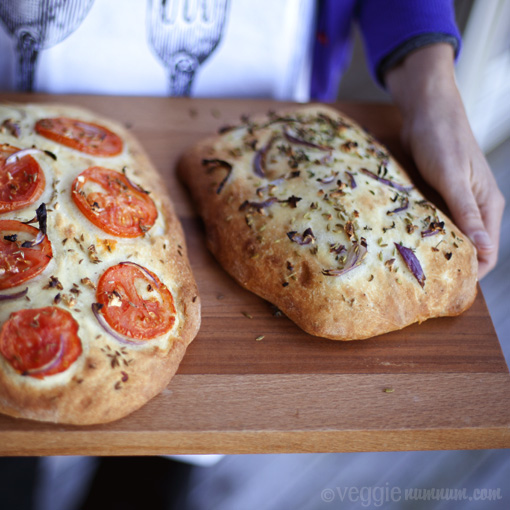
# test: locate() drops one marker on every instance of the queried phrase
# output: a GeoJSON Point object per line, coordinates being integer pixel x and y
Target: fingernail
{"type": "Point", "coordinates": [482, 240]}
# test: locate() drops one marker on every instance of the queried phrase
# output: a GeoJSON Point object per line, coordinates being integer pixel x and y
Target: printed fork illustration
{"type": "Point", "coordinates": [37, 25]}
{"type": "Point", "coordinates": [183, 33]}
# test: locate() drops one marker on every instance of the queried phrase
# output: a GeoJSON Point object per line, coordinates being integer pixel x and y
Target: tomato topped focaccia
{"type": "Point", "coordinates": [97, 299]}
{"type": "Point", "coordinates": [307, 210]}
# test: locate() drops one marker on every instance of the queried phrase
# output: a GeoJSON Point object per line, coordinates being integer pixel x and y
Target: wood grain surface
{"type": "Point", "coordinates": [443, 384]}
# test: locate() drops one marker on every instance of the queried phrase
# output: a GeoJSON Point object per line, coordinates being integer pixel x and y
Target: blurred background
{"type": "Point", "coordinates": [302, 481]}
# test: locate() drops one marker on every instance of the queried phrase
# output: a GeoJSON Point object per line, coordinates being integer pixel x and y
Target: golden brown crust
{"type": "Point", "coordinates": [110, 379]}
{"type": "Point", "coordinates": [256, 225]}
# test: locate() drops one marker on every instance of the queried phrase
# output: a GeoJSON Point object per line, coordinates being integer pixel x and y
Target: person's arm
{"type": "Point", "coordinates": [436, 131]}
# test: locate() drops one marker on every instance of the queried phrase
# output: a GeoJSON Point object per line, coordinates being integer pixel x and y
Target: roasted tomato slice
{"type": "Point", "coordinates": [41, 341]}
{"type": "Point", "coordinates": [24, 253]}
{"type": "Point", "coordinates": [113, 203]}
{"type": "Point", "coordinates": [83, 136]}
{"type": "Point", "coordinates": [21, 182]}
{"type": "Point", "coordinates": [135, 303]}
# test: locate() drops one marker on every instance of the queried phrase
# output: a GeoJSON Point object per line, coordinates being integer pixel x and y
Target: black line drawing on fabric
{"type": "Point", "coordinates": [182, 34]}
{"type": "Point", "coordinates": [37, 25]}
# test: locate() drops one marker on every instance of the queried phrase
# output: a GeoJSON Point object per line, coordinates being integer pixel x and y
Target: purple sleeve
{"type": "Point", "coordinates": [332, 48]}
{"type": "Point", "coordinates": [389, 26]}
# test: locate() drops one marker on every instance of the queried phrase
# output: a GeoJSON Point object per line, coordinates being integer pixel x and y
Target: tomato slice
{"type": "Point", "coordinates": [21, 182]}
{"type": "Point", "coordinates": [41, 341]}
{"type": "Point", "coordinates": [83, 136]}
{"type": "Point", "coordinates": [135, 302]}
{"type": "Point", "coordinates": [19, 264]}
{"type": "Point", "coordinates": [118, 207]}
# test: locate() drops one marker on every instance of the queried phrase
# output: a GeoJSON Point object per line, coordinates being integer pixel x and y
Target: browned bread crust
{"type": "Point", "coordinates": [291, 201]}
{"type": "Point", "coordinates": [110, 379]}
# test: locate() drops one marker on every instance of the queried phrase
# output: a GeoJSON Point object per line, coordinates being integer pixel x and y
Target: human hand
{"type": "Point", "coordinates": [436, 131]}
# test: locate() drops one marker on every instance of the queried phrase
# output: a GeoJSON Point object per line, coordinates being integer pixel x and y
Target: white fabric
{"type": "Point", "coordinates": [264, 52]}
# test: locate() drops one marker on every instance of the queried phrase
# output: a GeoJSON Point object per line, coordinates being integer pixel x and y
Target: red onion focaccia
{"type": "Point", "coordinates": [307, 210]}
{"type": "Point", "coordinates": [97, 299]}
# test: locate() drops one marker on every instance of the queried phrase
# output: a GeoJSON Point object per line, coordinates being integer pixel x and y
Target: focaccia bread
{"type": "Point", "coordinates": [307, 210]}
{"type": "Point", "coordinates": [97, 299]}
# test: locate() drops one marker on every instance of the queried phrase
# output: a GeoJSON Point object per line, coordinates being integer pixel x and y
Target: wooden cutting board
{"type": "Point", "coordinates": [443, 384]}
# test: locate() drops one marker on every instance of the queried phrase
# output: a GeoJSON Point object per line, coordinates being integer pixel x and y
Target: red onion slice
{"type": "Point", "coordinates": [142, 269]}
{"type": "Point", "coordinates": [259, 160]}
{"type": "Point", "coordinates": [302, 240]}
{"type": "Point", "coordinates": [27, 152]}
{"type": "Point", "coordinates": [412, 263]}
{"type": "Point", "coordinates": [57, 359]}
{"type": "Point", "coordinates": [42, 217]}
{"type": "Point", "coordinates": [336, 248]}
{"type": "Point", "coordinates": [355, 256]}
{"type": "Point", "coordinates": [429, 232]}
{"type": "Point", "coordinates": [12, 127]}
{"type": "Point", "coordinates": [403, 207]}
{"type": "Point", "coordinates": [436, 227]}
{"type": "Point", "coordinates": [38, 240]}
{"type": "Point", "coordinates": [213, 164]}
{"type": "Point", "coordinates": [352, 182]}
{"type": "Point", "coordinates": [137, 187]}
{"type": "Point", "coordinates": [388, 182]}
{"type": "Point", "coordinates": [16, 295]}
{"type": "Point", "coordinates": [96, 307]}
{"type": "Point", "coordinates": [327, 180]}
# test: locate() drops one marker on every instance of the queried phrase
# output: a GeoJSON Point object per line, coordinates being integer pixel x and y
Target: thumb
{"type": "Point", "coordinates": [467, 215]}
